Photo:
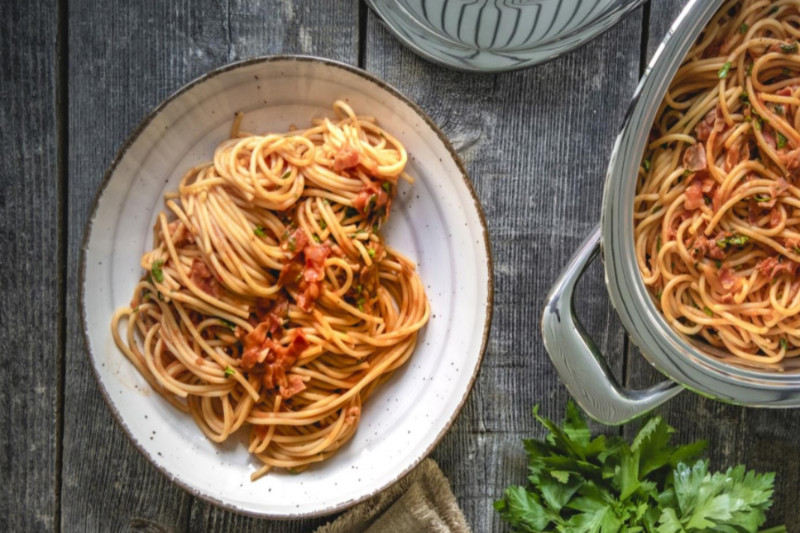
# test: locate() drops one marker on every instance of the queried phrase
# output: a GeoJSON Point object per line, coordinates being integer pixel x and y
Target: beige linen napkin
{"type": "Point", "coordinates": [422, 501]}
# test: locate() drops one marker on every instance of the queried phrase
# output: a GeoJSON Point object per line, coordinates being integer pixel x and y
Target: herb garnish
{"type": "Point", "coordinates": [158, 273]}
{"type": "Point", "coordinates": [723, 72]}
{"type": "Point", "coordinates": [579, 483]}
{"type": "Point", "coordinates": [259, 231]}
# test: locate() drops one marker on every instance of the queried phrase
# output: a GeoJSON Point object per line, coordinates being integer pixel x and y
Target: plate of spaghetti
{"type": "Point", "coordinates": [286, 286]}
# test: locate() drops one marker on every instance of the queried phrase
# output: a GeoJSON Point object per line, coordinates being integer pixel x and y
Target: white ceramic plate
{"type": "Point", "coordinates": [437, 222]}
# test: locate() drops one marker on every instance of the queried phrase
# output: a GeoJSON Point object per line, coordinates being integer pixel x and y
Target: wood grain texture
{"type": "Point", "coordinates": [124, 58]}
{"type": "Point", "coordinates": [536, 144]}
{"type": "Point", "coordinates": [762, 439]}
{"type": "Point", "coordinates": [29, 232]}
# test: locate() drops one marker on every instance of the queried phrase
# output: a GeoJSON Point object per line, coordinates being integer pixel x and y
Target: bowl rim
{"type": "Point", "coordinates": [673, 354]}
{"type": "Point", "coordinates": [87, 231]}
{"type": "Point", "coordinates": [546, 52]}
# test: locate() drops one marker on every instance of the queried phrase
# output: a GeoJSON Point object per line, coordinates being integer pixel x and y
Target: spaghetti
{"type": "Point", "coordinates": [717, 210]}
{"type": "Point", "coordinates": [270, 298]}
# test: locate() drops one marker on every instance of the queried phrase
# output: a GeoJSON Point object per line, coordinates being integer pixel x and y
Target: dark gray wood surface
{"type": "Point", "coordinates": [536, 144]}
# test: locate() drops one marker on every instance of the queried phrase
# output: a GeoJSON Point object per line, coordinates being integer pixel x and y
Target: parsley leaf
{"type": "Point", "coordinates": [578, 483]}
{"type": "Point", "coordinates": [723, 72]}
{"type": "Point", "coordinates": [229, 371]}
{"type": "Point", "coordinates": [156, 270]}
{"type": "Point", "coordinates": [259, 231]}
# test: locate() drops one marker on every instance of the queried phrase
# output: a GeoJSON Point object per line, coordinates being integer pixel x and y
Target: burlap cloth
{"type": "Point", "coordinates": [422, 501]}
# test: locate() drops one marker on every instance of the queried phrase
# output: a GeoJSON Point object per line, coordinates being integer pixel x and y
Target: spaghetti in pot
{"type": "Point", "coordinates": [717, 209]}
{"type": "Point", "coordinates": [270, 298]}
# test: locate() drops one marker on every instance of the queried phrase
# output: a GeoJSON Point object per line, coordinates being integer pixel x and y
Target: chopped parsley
{"type": "Point", "coordinates": [317, 239]}
{"type": "Point", "coordinates": [229, 371]}
{"type": "Point", "coordinates": [292, 244]}
{"type": "Point", "coordinates": [158, 273]}
{"type": "Point", "coordinates": [718, 263]}
{"type": "Point", "coordinates": [659, 293]}
{"type": "Point", "coordinates": [749, 69]}
{"type": "Point", "coordinates": [323, 225]}
{"type": "Point", "coordinates": [778, 109]}
{"type": "Point", "coordinates": [136, 309]}
{"type": "Point", "coordinates": [646, 164]}
{"type": "Point", "coordinates": [761, 198]}
{"type": "Point", "coordinates": [773, 10]}
{"type": "Point", "coordinates": [360, 303]}
{"type": "Point", "coordinates": [259, 231]}
{"type": "Point", "coordinates": [734, 240]}
{"type": "Point", "coordinates": [781, 140]}
{"type": "Point", "coordinates": [658, 244]}
{"type": "Point", "coordinates": [286, 174]}
{"type": "Point", "coordinates": [744, 98]}
{"type": "Point", "coordinates": [784, 344]}
{"type": "Point", "coordinates": [387, 187]}
{"type": "Point", "coordinates": [371, 252]}
{"type": "Point", "coordinates": [230, 324]}
{"type": "Point", "coordinates": [743, 28]}
{"type": "Point", "coordinates": [707, 310]}
{"type": "Point", "coordinates": [789, 48]}
{"type": "Point", "coordinates": [723, 72]}
{"type": "Point", "coordinates": [350, 212]}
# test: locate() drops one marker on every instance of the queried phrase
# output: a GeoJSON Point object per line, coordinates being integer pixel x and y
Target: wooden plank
{"type": "Point", "coordinates": [327, 29]}
{"type": "Point", "coordinates": [124, 58]}
{"type": "Point", "coordinates": [760, 438]}
{"type": "Point", "coordinates": [29, 232]}
{"type": "Point", "coordinates": [536, 144]}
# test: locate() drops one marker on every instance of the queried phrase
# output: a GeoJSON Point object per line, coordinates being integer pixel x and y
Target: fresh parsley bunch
{"type": "Point", "coordinates": [603, 484]}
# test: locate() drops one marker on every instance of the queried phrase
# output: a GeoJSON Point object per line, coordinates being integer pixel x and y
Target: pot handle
{"type": "Point", "coordinates": [577, 360]}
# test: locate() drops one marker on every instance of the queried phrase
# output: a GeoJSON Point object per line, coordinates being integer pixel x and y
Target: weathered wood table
{"type": "Point", "coordinates": [76, 77]}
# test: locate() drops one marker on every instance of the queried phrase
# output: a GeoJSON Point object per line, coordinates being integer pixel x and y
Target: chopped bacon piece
{"type": "Point", "coordinates": [295, 385]}
{"type": "Point", "coordinates": [370, 198]}
{"type": "Point", "coordinates": [315, 261]}
{"type": "Point", "coordinates": [346, 157]}
{"type": "Point", "coordinates": [308, 297]}
{"type": "Point", "coordinates": [264, 355]}
{"type": "Point", "coordinates": [728, 279]}
{"type": "Point", "coordinates": [694, 196]}
{"type": "Point", "coordinates": [293, 243]}
{"type": "Point", "coordinates": [253, 350]}
{"type": "Point", "coordinates": [179, 233]}
{"type": "Point", "coordinates": [779, 187]}
{"type": "Point", "coordinates": [272, 312]}
{"type": "Point", "coordinates": [203, 278]}
{"type": "Point", "coordinates": [769, 139]}
{"type": "Point", "coordinates": [774, 217]}
{"type": "Point", "coordinates": [772, 267]}
{"type": "Point", "coordinates": [792, 162]}
{"type": "Point", "coordinates": [712, 122]}
{"type": "Point", "coordinates": [694, 158]}
{"type": "Point", "coordinates": [705, 247]}
{"type": "Point", "coordinates": [733, 157]}
{"type": "Point", "coordinates": [290, 273]}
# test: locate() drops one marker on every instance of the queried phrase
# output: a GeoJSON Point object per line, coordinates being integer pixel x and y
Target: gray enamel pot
{"type": "Point", "coordinates": [685, 362]}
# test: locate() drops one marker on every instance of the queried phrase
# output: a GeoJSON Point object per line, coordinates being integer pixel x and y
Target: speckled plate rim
{"type": "Point", "coordinates": [547, 52]}
{"type": "Point", "coordinates": [133, 137]}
